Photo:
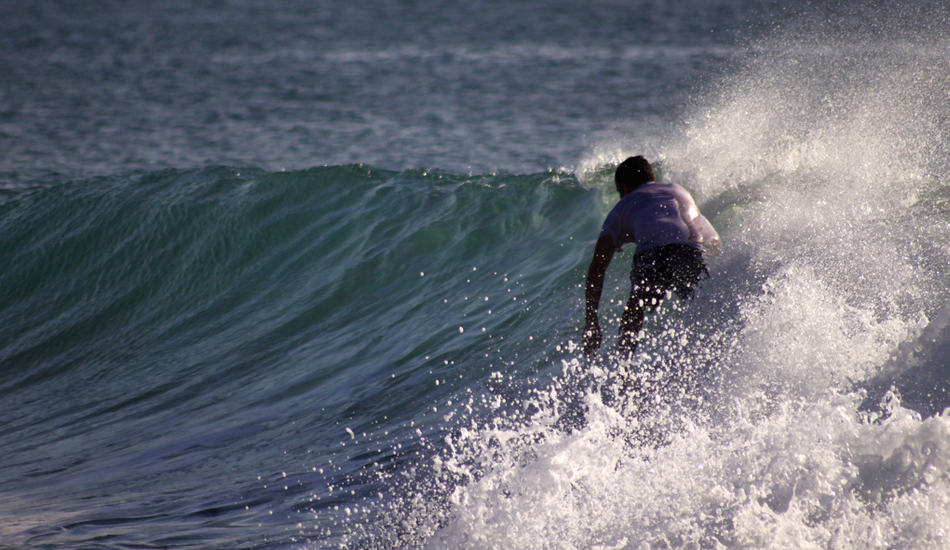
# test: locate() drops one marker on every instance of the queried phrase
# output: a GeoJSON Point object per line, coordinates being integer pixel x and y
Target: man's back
{"type": "Point", "coordinates": [654, 214]}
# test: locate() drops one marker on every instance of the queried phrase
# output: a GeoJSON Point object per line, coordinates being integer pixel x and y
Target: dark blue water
{"type": "Point", "coordinates": [310, 275]}
{"type": "Point", "coordinates": [456, 86]}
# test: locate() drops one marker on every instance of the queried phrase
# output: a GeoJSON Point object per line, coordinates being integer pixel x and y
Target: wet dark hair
{"type": "Point", "coordinates": [634, 171]}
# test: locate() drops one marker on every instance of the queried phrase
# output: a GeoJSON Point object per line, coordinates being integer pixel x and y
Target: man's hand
{"type": "Point", "coordinates": [592, 338]}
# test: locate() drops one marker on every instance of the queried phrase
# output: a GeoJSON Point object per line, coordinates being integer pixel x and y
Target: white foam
{"type": "Point", "coordinates": [814, 166]}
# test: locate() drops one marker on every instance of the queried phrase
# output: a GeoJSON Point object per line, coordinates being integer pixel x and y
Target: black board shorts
{"type": "Point", "coordinates": [676, 267]}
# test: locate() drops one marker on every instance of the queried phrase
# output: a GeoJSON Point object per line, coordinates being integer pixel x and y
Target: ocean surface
{"type": "Point", "coordinates": [309, 274]}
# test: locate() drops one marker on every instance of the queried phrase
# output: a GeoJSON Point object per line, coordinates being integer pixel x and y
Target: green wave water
{"type": "Point", "coordinates": [166, 273]}
{"type": "Point", "coordinates": [146, 314]}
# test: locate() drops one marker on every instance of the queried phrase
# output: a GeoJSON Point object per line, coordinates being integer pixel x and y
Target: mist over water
{"type": "Point", "coordinates": [823, 165]}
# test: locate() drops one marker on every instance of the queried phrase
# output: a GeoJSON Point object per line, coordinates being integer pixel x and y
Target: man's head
{"type": "Point", "coordinates": [632, 173]}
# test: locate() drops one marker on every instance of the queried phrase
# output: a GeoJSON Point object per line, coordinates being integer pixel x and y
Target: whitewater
{"type": "Point", "coordinates": [357, 353]}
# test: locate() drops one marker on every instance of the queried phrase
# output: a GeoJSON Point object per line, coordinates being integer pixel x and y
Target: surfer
{"type": "Point", "coordinates": [670, 235]}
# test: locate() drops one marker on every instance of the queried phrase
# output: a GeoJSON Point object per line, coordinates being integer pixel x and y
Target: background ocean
{"type": "Point", "coordinates": [309, 274]}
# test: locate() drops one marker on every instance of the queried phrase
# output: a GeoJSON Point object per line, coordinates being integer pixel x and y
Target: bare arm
{"type": "Point", "coordinates": [603, 253]}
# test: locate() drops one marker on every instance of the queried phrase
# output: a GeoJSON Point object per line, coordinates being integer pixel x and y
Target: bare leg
{"type": "Point", "coordinates": [630, 325]}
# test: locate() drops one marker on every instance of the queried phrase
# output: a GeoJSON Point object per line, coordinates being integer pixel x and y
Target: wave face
{"type": "Point", "coordinates": [186, 321]}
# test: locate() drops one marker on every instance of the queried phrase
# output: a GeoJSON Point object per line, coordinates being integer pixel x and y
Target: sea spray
{"type": "Point", "coordinates": [820, 164]}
